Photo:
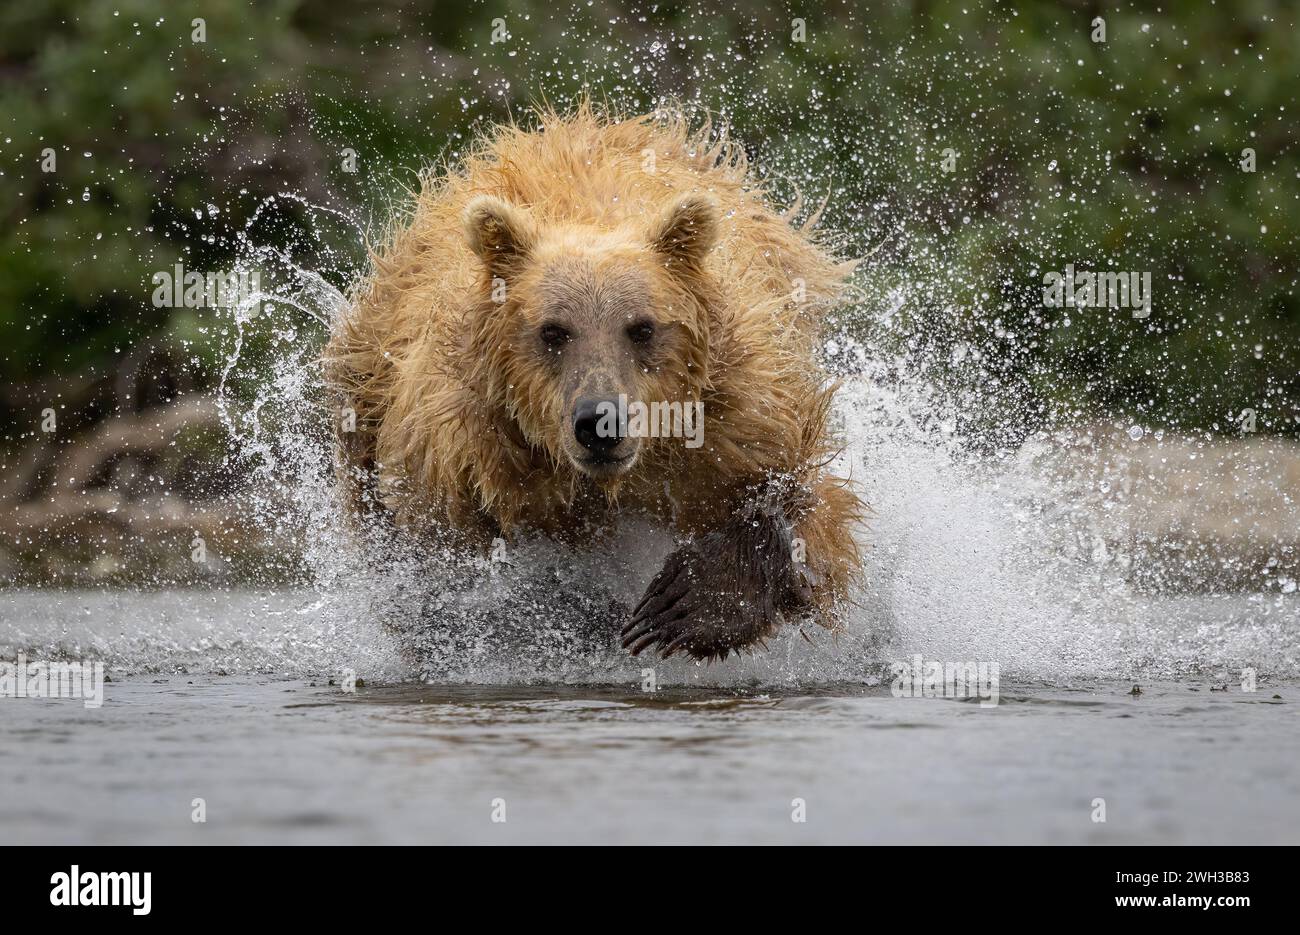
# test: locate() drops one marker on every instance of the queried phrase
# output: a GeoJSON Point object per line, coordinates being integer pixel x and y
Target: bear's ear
{"type": "Point", "coordinates": [500, 234]}
{"type": "Point", "coordinates": [687, 230]}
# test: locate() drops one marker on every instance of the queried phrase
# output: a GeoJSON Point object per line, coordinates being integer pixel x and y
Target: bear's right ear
{"type": "Point", "coordinates": [687, 230]}
{"type": "Point", "coordinates": [500, 234]}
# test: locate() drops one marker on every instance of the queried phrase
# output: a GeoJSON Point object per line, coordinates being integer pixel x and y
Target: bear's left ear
{"type": "Point", "coordinates": [687, 230]}
{"type": "Point", "coordinates": [499, 233]}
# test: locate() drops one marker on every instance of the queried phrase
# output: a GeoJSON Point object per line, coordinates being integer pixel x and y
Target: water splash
{"type": "Point", "coordinates": [967, 550]}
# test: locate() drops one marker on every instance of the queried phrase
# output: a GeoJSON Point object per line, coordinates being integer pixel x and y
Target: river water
{"type": "Point", "coordinates": [226, 697]}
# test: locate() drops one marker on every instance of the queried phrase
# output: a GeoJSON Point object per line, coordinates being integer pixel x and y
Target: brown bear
{"type": "Point", "coordinates": [561, 277]}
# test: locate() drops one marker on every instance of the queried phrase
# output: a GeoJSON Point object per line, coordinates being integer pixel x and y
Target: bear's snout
{"type": "Point", "coordinates": [598, 426]}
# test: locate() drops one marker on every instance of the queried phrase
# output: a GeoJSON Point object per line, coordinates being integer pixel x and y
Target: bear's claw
{"type": "Point", "coordinates": [722, 594]}
{"type": "Point", "coordinates": [666, 604]}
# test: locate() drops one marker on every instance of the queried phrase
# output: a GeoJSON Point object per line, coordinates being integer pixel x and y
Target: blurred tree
{"type": "Point", "coordinates": [1120, 155]}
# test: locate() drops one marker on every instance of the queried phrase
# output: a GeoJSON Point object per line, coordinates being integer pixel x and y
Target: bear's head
{"type": "Point", "coordinates": [576, 323]}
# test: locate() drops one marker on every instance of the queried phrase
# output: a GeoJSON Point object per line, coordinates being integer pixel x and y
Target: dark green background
{"type": "Point", "coordinates": [1119, 156]}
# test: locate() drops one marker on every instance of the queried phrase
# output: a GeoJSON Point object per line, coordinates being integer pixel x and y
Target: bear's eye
{"type": "Point", "coordinates": [641, 332]}
{"type": "Point", "coordinates": [555, 336]}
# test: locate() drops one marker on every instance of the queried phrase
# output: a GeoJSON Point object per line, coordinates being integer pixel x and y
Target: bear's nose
{"type": "Point", "coordinates": [596, 425]}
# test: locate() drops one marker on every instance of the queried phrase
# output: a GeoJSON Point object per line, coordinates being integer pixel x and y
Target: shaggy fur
{"type": "Point", "coordinates": [462, 421]}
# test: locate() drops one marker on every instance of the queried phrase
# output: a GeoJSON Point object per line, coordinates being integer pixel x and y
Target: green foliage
{"type": "Point", "coordinates": [1120, 155]}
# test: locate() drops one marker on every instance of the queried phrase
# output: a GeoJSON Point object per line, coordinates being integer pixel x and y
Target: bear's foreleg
{"type": "Point", "coordinates": [729, 588]}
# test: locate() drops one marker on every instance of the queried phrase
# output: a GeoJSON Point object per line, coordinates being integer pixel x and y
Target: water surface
{"type": "Point", "coordinates": [213, 696]}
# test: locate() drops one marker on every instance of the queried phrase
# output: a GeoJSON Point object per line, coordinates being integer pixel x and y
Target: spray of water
{"type": "Point", "coordinates": [973, 554]}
